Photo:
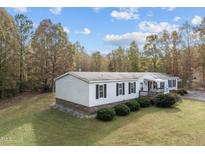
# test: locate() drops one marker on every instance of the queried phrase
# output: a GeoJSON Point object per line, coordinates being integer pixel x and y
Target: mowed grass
{"type": "Point", "coordinates": [32, 122]}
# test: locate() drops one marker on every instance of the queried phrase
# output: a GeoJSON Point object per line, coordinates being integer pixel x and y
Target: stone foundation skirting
{"type": "Point", "coordinates": [84, 109]}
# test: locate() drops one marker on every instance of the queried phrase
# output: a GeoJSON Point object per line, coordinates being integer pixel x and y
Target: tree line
{"type": "Point", "coordinates": [31, 58]}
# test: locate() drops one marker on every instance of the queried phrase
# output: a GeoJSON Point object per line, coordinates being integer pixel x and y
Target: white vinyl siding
{"type": "Point", "coordinates": [112, 93]}
{"type": "Point", "coordinates": [101, 91]}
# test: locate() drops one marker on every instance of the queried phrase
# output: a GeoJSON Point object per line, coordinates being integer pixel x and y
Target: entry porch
{"type": "Point", "coordinates": [153, 86]}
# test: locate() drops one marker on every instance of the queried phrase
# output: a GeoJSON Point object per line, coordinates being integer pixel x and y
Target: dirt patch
{"type": "Point", "coordinates": [4, 103]}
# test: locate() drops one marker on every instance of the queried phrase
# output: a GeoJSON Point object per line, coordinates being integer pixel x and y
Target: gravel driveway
{"type": "Point", "coordinates": [194, 94]}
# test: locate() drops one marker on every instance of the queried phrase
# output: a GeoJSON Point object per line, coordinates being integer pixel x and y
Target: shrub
{"type": "Point", "coordinates": [122, 110]}
{"type": "Point", "coordinates": [105, 114]}
{"type": "Point", "coordinates": [133, 105]}
{"type": "Point", "coordinates": [177, 97]}
{"type": "Point", "coordinates": [173, 91]}
{"type": "Point", "coordinates": [22, 86]}
{"type": "Point", "coordinates": [144, 101]}
{"type": "Point", "coordinates": [47, 88]}
{"type": "Point", "coordinates": [10, 93]}
{"type": "Point", "coordinates": [184, 91]}
{"type": "Point", "coordinates": [152, 99]}
{"type": "Point", "coordinates": [165, 100]}
{"type": "Point", "coordinates": [180, 92]}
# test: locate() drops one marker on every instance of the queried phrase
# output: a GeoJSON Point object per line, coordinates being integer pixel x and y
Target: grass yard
{"type": "Point", "coordinates": [32, 122]}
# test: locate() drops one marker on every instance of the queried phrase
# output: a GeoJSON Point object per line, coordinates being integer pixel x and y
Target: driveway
{"type": "Point", "coordinates": [196, 94]}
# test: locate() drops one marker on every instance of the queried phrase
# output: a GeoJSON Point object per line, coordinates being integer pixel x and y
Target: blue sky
{"type": "Point", "coordinates": [103, 29]}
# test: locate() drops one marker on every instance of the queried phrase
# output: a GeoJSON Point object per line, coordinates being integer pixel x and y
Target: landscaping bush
{"type": "Point", "coordinates": [47, 88]}
{"type": "Point", "coordinates": [152, 99]}
{"type": "Point", "coordinates": [184, 91]}
{"type": "Point", "coordinates": [177, 97]}
{"type": "Point", "coordinates": [133, 105]}
{"type": "Point", "coordinates": [122, 110]}
{"type": "Point", "coordinates": [180, 92]}
{"type": "Point", "coordinates": [144, 101]}
{"type": "Point", "coordinates": [105, 114]}
{"type": "Point", "coordinates": [165, 100]}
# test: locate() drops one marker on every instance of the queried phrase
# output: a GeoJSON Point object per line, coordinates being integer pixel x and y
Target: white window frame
{"type": "Point", "coordinates": [120, 89]}
{"type": "Point", "coordinates": [101, 91]}
{"type": "Point", "coordinates": [132, 87]}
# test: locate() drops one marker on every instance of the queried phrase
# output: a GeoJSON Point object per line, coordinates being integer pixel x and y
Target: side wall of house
{"type": "Point", "coordinates": [73, 90]}
{"type": "Point", "coordinates": [111, 96]}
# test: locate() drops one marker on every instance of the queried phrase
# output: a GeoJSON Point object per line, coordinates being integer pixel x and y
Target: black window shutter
{"type": "Point", "coordinates": [134, 87]}
{"type": "Point", "coordinates": [123, 87]}
{"type": "Point", "coordinates": [116, 89]}
{"type": "Point", "coordinates": [129, 87]}
{"type": "Point", "coordinates": [97, 91]}
{"type": "Point", "coordinates": [105, 90]}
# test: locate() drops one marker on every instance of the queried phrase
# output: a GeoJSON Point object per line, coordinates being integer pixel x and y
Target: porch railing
{"type": "Point", "coordinates": [151, 92]}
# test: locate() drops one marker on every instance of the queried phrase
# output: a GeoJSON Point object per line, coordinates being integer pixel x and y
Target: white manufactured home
{"type": "Point", "coordinates": [88, 91]}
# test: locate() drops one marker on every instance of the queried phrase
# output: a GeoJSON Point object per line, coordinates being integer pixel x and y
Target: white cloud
{"type": "Point", "coordinates": [176, 19]}
{"type": "Point", "coordinates": [125, 39]}
{"type": "Point", "coordinates": [97, 9]}
{"type": "Point", "coordinates": [196, 20]}
{"type": "Point", "coordinates": [86, 31]}
{"type": "Point", "coordinates": [169, 8]}
{"type": "Point", "coordinates": [20, 9]}
{"type": "Point", "coordinates": [56, 10]}
{"type": "Point", "coordinates": [145, 28]}
{"type": "Point", "coordinates": [66, 29]}
{"type": "Point", "coordinates": [154, 27]}
{"type": "Point", "coordinates": [125, 14]}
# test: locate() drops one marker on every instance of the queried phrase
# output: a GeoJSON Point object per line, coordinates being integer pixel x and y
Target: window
{"type": "Point", "coordinates": [161, 85]}
{"type": "Point", "coordinates": [120, 89]}
{"type": "Point", "coordinates": [170, 83]}
{"type": "Point", "coordinates": [174, 83]}
{"type": "Point", "coordinates": [154, 85]}
{"type": "Point", "coordinates": [132, 87]}
{"type": "Point", "coordinates": [101, 91]}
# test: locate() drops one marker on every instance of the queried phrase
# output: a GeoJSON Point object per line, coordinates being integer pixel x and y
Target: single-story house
{"type": "Point", "coordinates": [89, 91]}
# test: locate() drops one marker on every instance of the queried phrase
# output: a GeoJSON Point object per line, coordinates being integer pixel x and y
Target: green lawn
{"type": "Point", "coordinates": [32, 122]}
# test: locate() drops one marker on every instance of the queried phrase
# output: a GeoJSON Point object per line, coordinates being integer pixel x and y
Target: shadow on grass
{"type": "Point", "coordinates": [52, 127]}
